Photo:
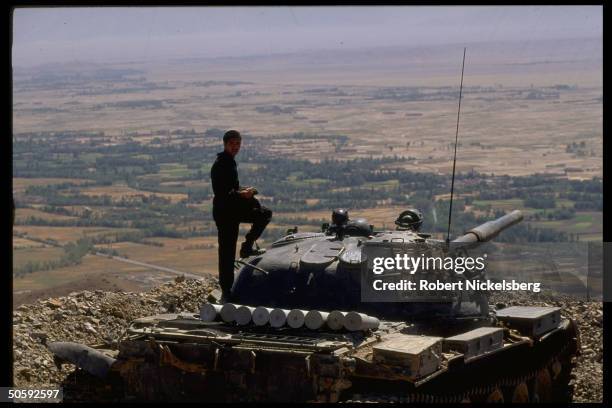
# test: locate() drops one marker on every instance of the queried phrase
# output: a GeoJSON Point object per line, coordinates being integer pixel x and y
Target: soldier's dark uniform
{"type": "Point", "coordinates": [229, 210]}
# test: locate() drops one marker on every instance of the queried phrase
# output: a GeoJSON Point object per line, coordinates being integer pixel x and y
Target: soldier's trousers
{"type": "Point", "coordinates": [249, 211]}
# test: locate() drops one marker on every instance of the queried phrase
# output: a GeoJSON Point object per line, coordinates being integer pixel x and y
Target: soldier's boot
{"type": "Point", "coordinates": [246, 249]}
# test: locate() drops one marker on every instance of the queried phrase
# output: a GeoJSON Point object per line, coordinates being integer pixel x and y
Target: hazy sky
{"type": "Point", "coordinates": [42, 35]}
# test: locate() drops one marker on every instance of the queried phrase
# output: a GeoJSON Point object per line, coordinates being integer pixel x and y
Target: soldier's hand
{"type": "Point", "coordinates": [246, 193]}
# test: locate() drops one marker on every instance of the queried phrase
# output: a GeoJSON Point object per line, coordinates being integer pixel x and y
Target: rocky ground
{"type": "Point", "coordinates": [89, 317]}
{"type": "Point", "coordinates": [98, 317]}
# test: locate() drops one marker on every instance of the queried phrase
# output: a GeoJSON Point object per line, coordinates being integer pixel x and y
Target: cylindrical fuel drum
{"type": "Point", "coordinates": [335, 320]}
{"type": "Point", "coordinates": [354, 321]}
{"type": "Point", "coordinates": [261, 315]}
{"type": "Point", "coordinates": [278, 317]}
{"type": "Point", "coordinates": [228, 312]}
{"type": "Point", "coordinates": [295, 318]}
{"type": "Point", "coordinates": [315, 319]}
{"type": "Point", "coordinates": [209, 312]}
{"type": "Point", "coordinates": [243, 315]}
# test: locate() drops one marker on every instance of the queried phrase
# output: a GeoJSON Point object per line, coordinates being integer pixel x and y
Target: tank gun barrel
{"type": "Point", "coordinates": [490, 229]}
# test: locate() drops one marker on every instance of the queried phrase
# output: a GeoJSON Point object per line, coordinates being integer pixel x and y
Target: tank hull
{"type": "Point", "coordinates": [217, 362]}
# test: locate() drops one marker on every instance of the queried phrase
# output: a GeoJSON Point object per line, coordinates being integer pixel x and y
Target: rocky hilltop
{"type": "Point", "coordinates": [99, 317]}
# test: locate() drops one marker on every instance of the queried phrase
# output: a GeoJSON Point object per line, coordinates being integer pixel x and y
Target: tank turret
{"type": "Point", "coordinates": [327, 269]}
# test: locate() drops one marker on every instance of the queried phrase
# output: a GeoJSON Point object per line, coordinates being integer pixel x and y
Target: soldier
{"type": "Point", "coordinates": [232, 205]}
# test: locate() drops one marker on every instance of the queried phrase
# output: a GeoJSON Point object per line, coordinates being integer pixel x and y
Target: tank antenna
{"type": "Point", "coordinates": [450, 208]}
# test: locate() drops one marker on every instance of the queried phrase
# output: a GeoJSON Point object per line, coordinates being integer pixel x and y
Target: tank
{"type": "Point", "coordinates": [297, 328]}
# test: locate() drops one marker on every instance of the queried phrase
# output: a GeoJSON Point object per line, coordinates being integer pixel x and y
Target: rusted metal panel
{"type": "Point", "coordinates": [167, 357]}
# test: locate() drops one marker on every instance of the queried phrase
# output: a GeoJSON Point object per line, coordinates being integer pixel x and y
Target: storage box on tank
{"type": "Point", "coordinates": [419, 355]}
{"type": "Point", "coordinates": [476, 342]}
{"type": "Point", "coordinates": [530, 320]}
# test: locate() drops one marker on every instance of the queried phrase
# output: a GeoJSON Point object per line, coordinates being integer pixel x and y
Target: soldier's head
{"type": "Point", "coordinates": [411, 219]}
{"type": "Point", "coordinates": [231, 142]}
